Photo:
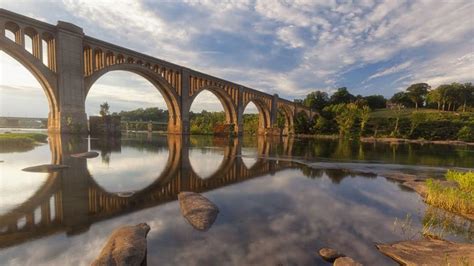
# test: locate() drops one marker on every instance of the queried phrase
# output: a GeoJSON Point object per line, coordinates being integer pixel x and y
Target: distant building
{"type": "Point", "coordinates": [392, 106]}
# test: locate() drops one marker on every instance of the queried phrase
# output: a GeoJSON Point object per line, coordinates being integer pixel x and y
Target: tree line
{"type": "Point", "coordinates": [446, 97]}
{"type": "Point", "coordinates": [351, 115]}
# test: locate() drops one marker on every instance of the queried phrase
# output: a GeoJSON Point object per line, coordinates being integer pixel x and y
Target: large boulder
{"type": "Point", "coordinates": [429, 252]}
{"type": "Point", "coordinates": [330, 254]}
{"type": "Point", "coordinates": [198, 210]}
{"type": "Point", "coordinates": [126, 246]}
{"type": "Point", "coordinates": [346, 261]}
{"type": "Point", "coordinates": [87, 155]}
{"type": "Point", "coordinates": [45, 168]}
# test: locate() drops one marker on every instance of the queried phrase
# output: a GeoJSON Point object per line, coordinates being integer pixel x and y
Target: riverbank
{"type": "Point", "coordinates": [388, 140]}
{"type": "Point", "coordinates": [452, 194]}
{"type": "Point", "coordinates": [21, 141]}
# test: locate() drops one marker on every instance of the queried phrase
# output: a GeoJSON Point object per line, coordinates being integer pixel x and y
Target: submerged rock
{"type": "Point", "coordinates": [417, 186]}
{"type": "Point", "coordinates": [126, 246]}
{"type": "Point", "coordinates": [87, 155]}
{"type": "Point", "coordinates": [198, 210]}
{"type": "Point", "coordinates": [429, 252]}
{"type": "Point", "coordinates": [329, 254]}
{"type": "Point", "coordinates": [346, 261]}
{"type": "Point", "coordinates": [45, 168]}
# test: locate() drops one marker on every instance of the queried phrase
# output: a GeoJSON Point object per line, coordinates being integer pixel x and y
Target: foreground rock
{"type": "Point", "coordinates": [329, 254]}
{"type": "Point", "coordinates": [45, 168]}
{"type": "Point", "coordinates": [429, 252]}
{"type": "Point", "coordinates": [87, 155]}
{"type": "Point", "coordinates": [346, 261]}
{"type": "Point", "coordinates": [126, 246]}
{"type": "Point", "coordinates": [198, 210]}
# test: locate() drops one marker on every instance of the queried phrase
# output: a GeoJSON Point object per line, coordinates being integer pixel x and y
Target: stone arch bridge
{"type": "Point", "coordinates": [66, 62]}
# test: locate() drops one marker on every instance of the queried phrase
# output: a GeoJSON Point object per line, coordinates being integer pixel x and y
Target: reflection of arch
{"type": "Point", "coordinates": [43, 194]}
{"type": "Point", "coordinates": [43, 74]}
{"type": "Point", "coordinates": [166, 90]}
{"type": "Point", "coordinates": [224, 98]}
{"type": "Point", "coordinates": [230, 153]}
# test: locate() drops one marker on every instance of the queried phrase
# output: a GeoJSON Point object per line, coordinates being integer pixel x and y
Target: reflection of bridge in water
{"type": "Point", "coordinates": [71, 200]}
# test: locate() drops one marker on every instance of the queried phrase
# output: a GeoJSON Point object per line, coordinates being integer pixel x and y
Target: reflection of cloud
{"type": "Point", "coordinates": [17, 186]}
{"type": "Point", "coordinates": [280, 219]}
{"type": "Point", "coordinates": [130, 170]}
{"type": "Point", "coordinates": [205, 162]}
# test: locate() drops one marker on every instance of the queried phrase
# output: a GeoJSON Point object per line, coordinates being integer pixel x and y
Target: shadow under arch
{"type": "Point", "coordinates": [167, 91]}
{"type": "Point", "coordinates": [225, 99]}
{"type": "Point", "coordinates": [46, 78]}
{"type": "Point", "coordinates": [264, 114]}
{"type": "Point", "coordinates": [289, 119]}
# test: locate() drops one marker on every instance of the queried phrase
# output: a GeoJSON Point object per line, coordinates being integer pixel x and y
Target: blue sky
{"type": "Point", "coordinates": [285, 47]}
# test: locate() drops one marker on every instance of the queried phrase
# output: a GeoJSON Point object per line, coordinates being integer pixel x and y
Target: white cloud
{"type": "Point", "coordinates": [391, 70]}
{"type": "Point", "coordinates": [245, 41]}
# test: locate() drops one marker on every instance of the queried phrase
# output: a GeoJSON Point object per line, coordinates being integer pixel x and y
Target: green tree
{"type": "Point", "coordinates": [104, 109]}
{"type": "Point", "coordinates": [364, 117]}
{"type": "Point", "coordinates": [376, 101]}
{"type": "Point", "coordinates": [435, 96]}
{"type": "Point", "coordinates": [416, 119]}
{"type": "Point", "coordinates": [467, 95]}
{"type": "Point", "coordinates": [452, 95]}
{"type": "Point", "coordinates": [417, 93]}
{"type": "Point", "coordinates": [401, 98]}
{"type": "Point", "coordinates": [342, 95]}
{"type": "Point", "coordinates": [346, 115]}
{"type": "Point", "coordinates": [316, 100]}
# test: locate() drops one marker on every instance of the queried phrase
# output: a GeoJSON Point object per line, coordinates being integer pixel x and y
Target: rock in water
{"type": "Point", "coordinates": [199, 211]}
{"type": "Point", "coordinates": [45, 168]}
{"type": "Point", "coordinates": [329, 254]}
{"type": "Point", "coordinates": [87, 155]}
{"type": "Point", "coordinates": [126, 246]}
{"type": "Point", "coordinates": [346, 261]}
{"type": "Point", "coordinates": [429, 252]}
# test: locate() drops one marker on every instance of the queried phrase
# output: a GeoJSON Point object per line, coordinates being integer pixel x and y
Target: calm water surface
{"type": "Point", "coordinates": [280, 200]}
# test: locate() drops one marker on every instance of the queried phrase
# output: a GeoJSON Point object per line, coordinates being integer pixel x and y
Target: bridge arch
{"type": "Point", "coordinates": [288, 114]}
{"type": "Point", "coordinates": [264, 114]}
{"type": "Point", "coordinates": [226, 100]}
{"type": "Point", "coordinates": [31, 61]}
{"type": "Point", "coordinates": [166, 90]}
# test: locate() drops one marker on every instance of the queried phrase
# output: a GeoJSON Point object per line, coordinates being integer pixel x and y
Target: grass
{"type": "Point", "coordinates": [20, 141]}
{"type": "Point", "coordinates": [458, 198]}
{"type": "Point", "coordinates": [431, 114]}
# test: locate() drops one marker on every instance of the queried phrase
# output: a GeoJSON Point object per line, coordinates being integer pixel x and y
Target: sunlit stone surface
{"type": "Point", "coordinates": [126, 246]}
{"type": "Point", "coordinates": [199, 211]}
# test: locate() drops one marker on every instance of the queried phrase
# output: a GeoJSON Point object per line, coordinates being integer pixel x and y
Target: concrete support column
{"type": "Point", "coordinates": [272, 127]}
{"type": "Point", "coordinates": [182, 122]}
{"type": "Point", "coordinates": [71, 117]}
{"type": "Point", "coordinates": [239, 127]}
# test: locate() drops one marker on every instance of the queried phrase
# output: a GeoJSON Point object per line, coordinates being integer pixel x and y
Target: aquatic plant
{"type": "Point", "coordinates": [458, 197]}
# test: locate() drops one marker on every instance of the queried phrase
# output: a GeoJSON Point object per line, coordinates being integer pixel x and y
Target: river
{"type": "Point", "coordinates": [280, 199]}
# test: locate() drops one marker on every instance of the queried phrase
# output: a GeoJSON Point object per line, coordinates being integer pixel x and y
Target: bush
{"type": "Point", "coordinates": [466, 133]}
{"type": "Point", "coordinates": [459, 198]}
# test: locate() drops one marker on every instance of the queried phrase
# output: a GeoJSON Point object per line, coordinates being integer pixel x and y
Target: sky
{"type": "Point", "coordinates": [289, 47]}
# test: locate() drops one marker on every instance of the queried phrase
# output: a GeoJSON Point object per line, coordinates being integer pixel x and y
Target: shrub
{"type": "Point", "coordinates": [466, 133]}
{"type": "Point", "coordinates": [459, 198]}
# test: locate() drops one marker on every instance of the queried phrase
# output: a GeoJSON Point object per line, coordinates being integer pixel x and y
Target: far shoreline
{"type": "Point", "coordinates": [389, 140]}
